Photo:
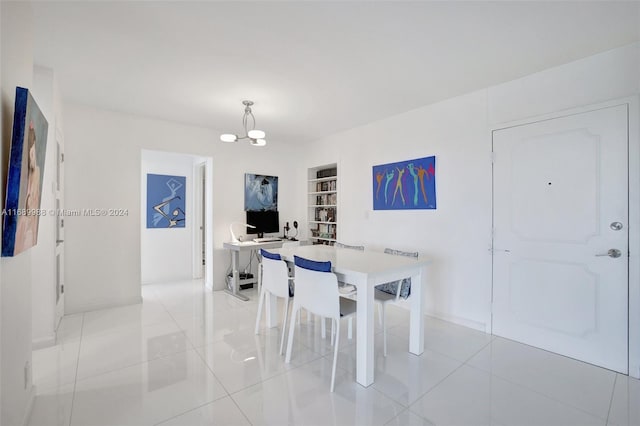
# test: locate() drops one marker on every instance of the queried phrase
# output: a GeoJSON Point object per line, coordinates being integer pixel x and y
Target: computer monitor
{"type": "Point", "coordinates": [265, 222]}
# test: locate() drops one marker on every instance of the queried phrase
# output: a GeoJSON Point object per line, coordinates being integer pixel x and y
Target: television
{"type": "Point", "coordinates": [265, 221]}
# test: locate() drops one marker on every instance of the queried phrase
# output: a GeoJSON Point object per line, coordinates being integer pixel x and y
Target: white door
{"type": "Point", "coordinates": [59, 250]}
{"type": "Point", "coordinates": [560, 208]}
{"type": "Point", "coordinates": [198, 219]}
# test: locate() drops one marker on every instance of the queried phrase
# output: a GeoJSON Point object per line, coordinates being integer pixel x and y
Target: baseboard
{"type": "Point", "coordinates": [29, 408]}
{"type": "Point", "coordinates": [88, 307]}
{"type": "Point", "coordinates": [465, 322]}
{"type": "Point", "coordinates": [43, 342]}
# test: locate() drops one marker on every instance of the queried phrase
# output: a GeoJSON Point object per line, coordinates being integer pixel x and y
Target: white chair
{"type": "Point", "coordinates": [392, 292]}
{"type": "Point", "coordinates": [275, 280]}
{"type": "Point", "coordinates": [346, 290]}
{"type": "Point", "coordinates": [317, 292]}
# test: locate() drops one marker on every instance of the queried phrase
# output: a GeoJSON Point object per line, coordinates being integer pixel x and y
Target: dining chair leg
{"type": "Point", "coordinates": [350, 328]}
{"type": "Point", "coordinates": [260, 302]}
{"type": "Point", "coordinates": [284, 323]}
{"type": "Point", "coordinates": [333, 332]}
{"type": "Point", "coordinates": [335, 356]}
{"type": "Point", "coordinates": [323, 328]}
{"type": "Point", "coordinates": [384, 328]}
{"type": "Point", "coordinates": [292, 327]}
{"type": "Point", "coordinates": [380, 314]}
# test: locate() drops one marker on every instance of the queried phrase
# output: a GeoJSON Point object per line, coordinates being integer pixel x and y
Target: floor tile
{"type": "Point", "coordinates": [146, 393]}
{"type": "Point", "coordinates": [309, 333]}
{"type": "Point", "coordinates": [239, 362]}
{"type": "Point", "coordinates": [572, 382]}
{"type": "Point", "coordinates": [56, 365]}
{"type": "Point", "coordinates": [114, 319]}
{"type": "Point", "coordinates": [221, 412]}
{"type": "Point", "coordinates": [188, 356]}
{"type": "Point", "coordinates": [474, 397]}
{"type": "Point", "coordinates": [106, 352]}
{"type": "Point", "coordinates": [406, 377]}
{"type": "Point", "coordinates": [203, 330]}
{"type": "Point", "coordinates": [301, 396]}
{"type": "Point", "coordinates": [407, 418]}
{"type": "Point", "coordinates": [400, 375]}
{"type": "Point", "coordinates": [70, 328]}
{"type": "Point", "coordinates": [625, 404]}
{"type": "Point", "coordinates": [52, 407]}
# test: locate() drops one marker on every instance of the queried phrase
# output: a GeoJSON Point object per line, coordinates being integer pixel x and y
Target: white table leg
{"type": "Point", "coordinates": [416, 331]}
{"type": "Point", "coordinates": [364, 340]}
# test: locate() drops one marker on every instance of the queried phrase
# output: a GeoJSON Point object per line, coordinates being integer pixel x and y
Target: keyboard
{"type": "Point", "coordinates": [267, 240]}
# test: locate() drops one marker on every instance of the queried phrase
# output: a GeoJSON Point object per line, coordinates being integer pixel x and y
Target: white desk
{"type": "Point", "coordinates": [365, 270]}
{"type": "Point", "coordinates": [235, 249]}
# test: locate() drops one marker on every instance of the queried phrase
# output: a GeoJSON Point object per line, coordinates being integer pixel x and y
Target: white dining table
{"type": "Point", "coordinates": [366, 269]}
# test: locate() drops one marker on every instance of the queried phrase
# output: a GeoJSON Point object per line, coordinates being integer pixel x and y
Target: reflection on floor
{"type": "Point", "coordinates": [187, 356]}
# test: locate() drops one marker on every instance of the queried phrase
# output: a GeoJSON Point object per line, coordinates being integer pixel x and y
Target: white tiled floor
{"type": "Point", "coordinates": [190, 357]}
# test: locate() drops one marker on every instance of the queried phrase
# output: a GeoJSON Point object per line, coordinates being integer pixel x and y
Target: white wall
{"type": "Point", "coordinates": [103, 167]}
{"type": "Point", "coordinates": [167, 254]}
{"type": "Point", "coordinates": [15, 272]}
{"type": "Point", "coordinates": [458, 132]}
{"type": "Point", "coordinates": [43, 254]}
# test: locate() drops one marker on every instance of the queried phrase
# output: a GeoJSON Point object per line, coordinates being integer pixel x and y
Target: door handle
{"type": "Point", "coordinates": [494, 250]}
{"type": "Point", "coordinates": [615, 253]}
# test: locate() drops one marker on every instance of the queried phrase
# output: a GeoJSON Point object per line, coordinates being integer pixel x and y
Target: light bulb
{"type": "Point", "coordinates": [258, 142]}
{"type": "Point", "coordinates": [228, 138]}
{"type": "Point", "coordinates": [256, 134]}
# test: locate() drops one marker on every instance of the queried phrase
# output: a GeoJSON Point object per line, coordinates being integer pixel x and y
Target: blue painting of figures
{"type": "Point", "coordinates": [165, 201]}
{"type": "Point", "coordinates": [405, 185]}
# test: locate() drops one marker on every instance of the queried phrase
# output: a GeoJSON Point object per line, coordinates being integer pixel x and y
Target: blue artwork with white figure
{"type": "Point", "coordinates": [260, 192]}
{"type": "Point", "coordinates": [166, 201]}
{"type": "Point", "coordinates": [405, 185]}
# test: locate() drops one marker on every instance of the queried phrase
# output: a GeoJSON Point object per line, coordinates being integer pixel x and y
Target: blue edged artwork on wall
{"type": "Point", "coordinates": [26, 170]}
{"type": "Point", "coordinates": [405, 185]}
{"type": "Point", "coordinates": [260, 192]}
{"type": "Point", "coordinates": [166, 201]}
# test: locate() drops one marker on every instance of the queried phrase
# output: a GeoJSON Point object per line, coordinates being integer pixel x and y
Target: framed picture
{"type": "Point", "coordinates": [405, 185]}
{"type": "Point", "coordinates": [166, 201]}
{"type": "Point", "coordinates": [260, 192]}
{"type": "Point", "coordinates": [26, 170]}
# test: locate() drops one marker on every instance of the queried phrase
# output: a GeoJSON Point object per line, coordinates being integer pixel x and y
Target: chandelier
{"type": "Point", "coordinates": [256, 137]}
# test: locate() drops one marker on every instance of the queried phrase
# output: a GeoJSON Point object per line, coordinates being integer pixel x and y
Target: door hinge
{"type": "Point", "coordinates": [62, 157]}
{"type": "Point", "coordinates": [62, 289]}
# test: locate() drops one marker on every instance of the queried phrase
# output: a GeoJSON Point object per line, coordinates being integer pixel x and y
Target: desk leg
{"type": "Point", "coordinates": [235, 277]}
{"type": "Point", "coordinates": [416, 331]}
{"type": "Point", "coordinates": [364, 340]}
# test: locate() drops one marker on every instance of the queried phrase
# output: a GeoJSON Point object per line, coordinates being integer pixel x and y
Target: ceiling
{"type": "Point", "coordinates": [312, 68]}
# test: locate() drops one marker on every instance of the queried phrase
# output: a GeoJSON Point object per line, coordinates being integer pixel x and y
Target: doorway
{"type": "Point", "coordinates": [170, 249]}
{"type": "Point", "coordinates": [561, 235]}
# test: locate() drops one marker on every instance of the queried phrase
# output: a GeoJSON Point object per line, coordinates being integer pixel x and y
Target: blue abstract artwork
{"type": "Point", "coordinates": [166, 201]}
{"type": "Point", "coordinates": [260, 192]}
{"type": "Point", "coordinates": [405, 185]}
{"type": "Point", "coordinates": [26, 170]}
